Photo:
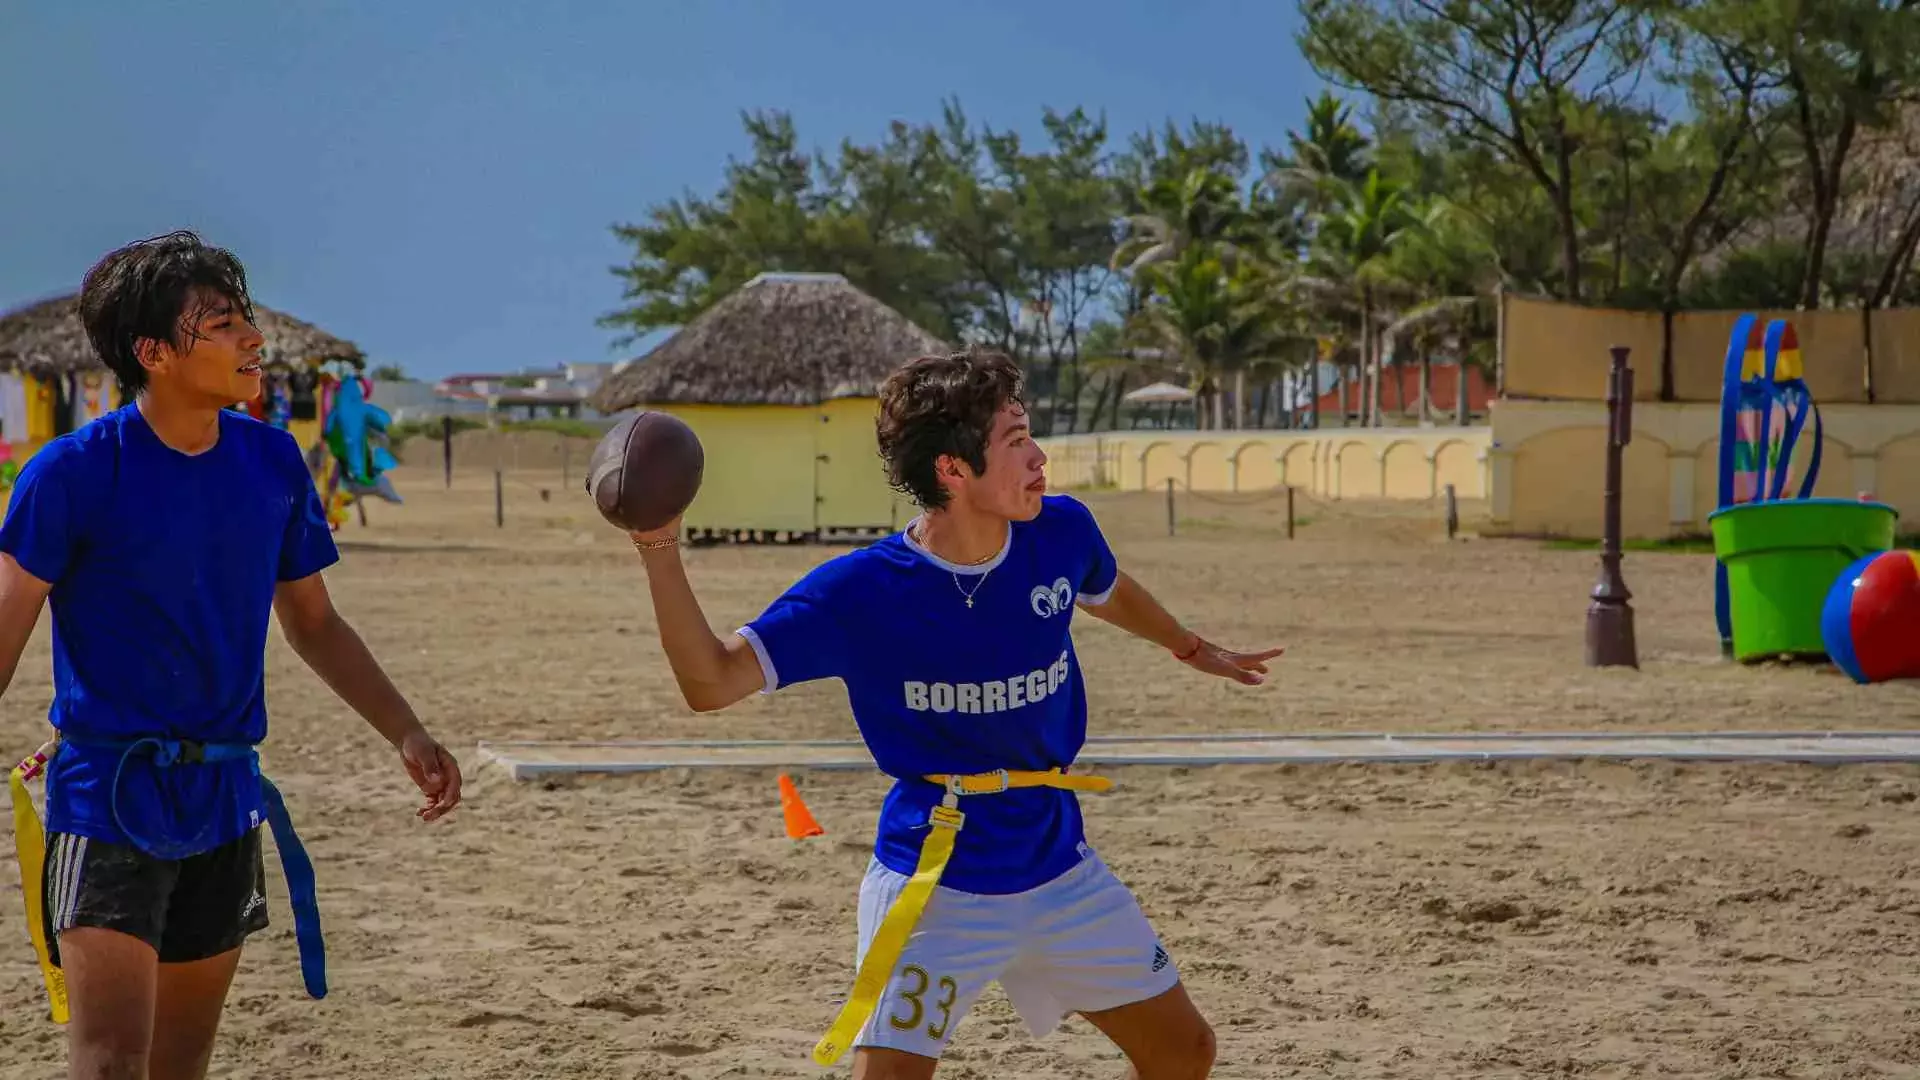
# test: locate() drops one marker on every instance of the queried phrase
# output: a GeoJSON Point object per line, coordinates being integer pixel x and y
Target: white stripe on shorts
{"type": "Point", "coordinates": [70, 857]}
{"type": "Point", "coordinates": [55, 889]}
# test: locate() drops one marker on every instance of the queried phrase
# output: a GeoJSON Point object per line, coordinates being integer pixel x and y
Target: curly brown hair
{"type": "Point", "coordinates": [934, 406]}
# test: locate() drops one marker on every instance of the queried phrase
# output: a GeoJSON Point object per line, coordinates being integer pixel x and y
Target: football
{"type": "Point", "coordinates": [646, 471]}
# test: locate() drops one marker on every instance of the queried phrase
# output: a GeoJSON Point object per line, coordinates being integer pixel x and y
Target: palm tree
{"type": "Point", "coordinates": [1331, 153]}
{"type": "Point", "coordinates": [1355, 243]}
{"type": "Point", "coordinates": [1427, 326]}
{"type": "Point", "coordinates": [1113, 352]}
{"type": "Point", "coordinates": [1203, 207]}
{"type": "Point", "coordinates": [1214, 318]}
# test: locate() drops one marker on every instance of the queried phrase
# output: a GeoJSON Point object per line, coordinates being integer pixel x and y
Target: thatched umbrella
{"type": "Point", "coordinates": [780, 339]}
{"type": "Point", "coordinates": [48, 338]}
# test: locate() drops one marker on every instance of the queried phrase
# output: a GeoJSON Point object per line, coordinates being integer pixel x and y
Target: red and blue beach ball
{"type": "Point", "coordinates": [1871, 622]}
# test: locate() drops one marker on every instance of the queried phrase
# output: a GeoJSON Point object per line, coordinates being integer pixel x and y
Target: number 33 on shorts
{"type": "Point", "coordinates": [912, 1009]}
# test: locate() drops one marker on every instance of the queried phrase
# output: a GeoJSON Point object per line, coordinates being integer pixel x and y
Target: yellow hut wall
{"type": "Point", "coordinates": [852, 480]}
{"type": "Point", "coordinates": [789, 468]}
{"type": "Point", "coordinates": [1330, 463]}
{"type": "Point", "coordinates": [1548, 465]}
{"type": "Point", "coordinates": [41, 401]}
{"type": "Point", "coordinates": [40, 405]}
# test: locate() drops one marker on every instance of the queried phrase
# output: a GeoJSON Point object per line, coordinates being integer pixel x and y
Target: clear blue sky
{"type": "Point", "coordinates": [436, 181]}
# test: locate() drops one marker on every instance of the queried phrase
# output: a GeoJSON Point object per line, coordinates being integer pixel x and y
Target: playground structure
{"type": "Point", "coordinates": [327, 409]}
{"type": "Point", "coordinates": [354, 433]}
{"type": "Point", "coordinates": [1780, 552]}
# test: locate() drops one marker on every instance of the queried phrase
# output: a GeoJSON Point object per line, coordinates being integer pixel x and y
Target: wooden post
{"type": "Point", "coordinates": [1169, 506]}
{"type": "Point", "coordinates": [1289, 511]}
{"type": "Point", "coordinates": [1610, 640]}
{"type": "Point", "coordinates": [360, 504]}
{"type": "Point", "coordinates": [446, 445]}
{"type": "Point", "coordinates": [1453, 514]}
{"type": "Point", "coordinates": [499, 500]}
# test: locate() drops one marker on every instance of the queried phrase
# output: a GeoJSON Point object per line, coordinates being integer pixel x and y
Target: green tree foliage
{"type": "Point", "coordinates": [1654, 154]}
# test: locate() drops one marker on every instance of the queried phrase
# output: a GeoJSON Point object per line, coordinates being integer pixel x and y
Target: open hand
{"type": "Point", "coordinates": [1247, 668]}
{"type": "Point", "coordinates": [434, 772]}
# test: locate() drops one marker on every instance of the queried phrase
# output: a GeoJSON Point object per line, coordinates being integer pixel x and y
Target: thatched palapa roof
{"type": "Point", "coordinates": [780, 339]}
{"type": "Point", "coordinates": [48, 338]}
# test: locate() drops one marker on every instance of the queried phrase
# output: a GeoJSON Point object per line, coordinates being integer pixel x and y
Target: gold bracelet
{"type": "Point", "coordinates": [654, 545]}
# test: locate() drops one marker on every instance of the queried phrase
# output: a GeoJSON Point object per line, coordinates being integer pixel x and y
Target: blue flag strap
{"type": "Point", "coordinates": [302, 888]}
{"type": "Point", "coordinates": [302, 891]}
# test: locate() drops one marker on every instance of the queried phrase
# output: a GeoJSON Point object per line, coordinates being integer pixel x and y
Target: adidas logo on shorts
{"type": "Point", "coordinates": [1160, 958]}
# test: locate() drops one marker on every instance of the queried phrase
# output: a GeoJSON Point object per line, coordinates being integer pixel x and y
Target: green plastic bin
{"type": "Point", "coordinates": [1782, 557]}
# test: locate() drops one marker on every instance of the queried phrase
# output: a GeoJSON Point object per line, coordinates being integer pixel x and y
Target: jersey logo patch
{"type": "Point", "coordinates": [1049, 601]}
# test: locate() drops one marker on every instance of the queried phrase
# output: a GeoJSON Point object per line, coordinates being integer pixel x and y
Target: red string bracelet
{"type": "Point", "coordinates": [1193, 652]}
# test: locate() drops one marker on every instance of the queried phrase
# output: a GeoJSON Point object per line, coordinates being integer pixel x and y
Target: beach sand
{"type": "Point", "coordinates": [1443, 921]}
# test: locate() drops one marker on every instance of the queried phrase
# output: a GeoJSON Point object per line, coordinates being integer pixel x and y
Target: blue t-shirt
{"type": "Point", "coordinates": [163, 567]}
{"type": "Point", "coordinates": [939, 687]}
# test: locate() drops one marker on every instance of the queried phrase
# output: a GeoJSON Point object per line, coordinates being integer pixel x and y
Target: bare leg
{"type": "Point", "coordinates": [1165, 1037]}
{"type": "Point", "coordinates": [189, 1003]}
{"type": "Point", "coordinates": [111, 984]}
{"type": "Point", "coordinates": [880, 1063]}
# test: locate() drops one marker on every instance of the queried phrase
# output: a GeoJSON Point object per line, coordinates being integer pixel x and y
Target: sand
{"type": "Point", "coordinates": [1442, 921]}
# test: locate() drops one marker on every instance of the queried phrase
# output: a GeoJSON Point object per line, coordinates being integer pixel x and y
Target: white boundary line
{"type": "Point", "coordinates": [1828, 747]}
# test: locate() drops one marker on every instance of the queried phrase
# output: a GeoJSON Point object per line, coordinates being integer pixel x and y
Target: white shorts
{"type": "Point", "coordinates": [1078, 943]}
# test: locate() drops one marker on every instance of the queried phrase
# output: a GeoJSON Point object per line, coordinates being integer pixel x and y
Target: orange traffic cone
{"type": "Point", "coordinates": [800, 823]}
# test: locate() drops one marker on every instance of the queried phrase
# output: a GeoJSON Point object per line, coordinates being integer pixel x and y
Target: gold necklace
{"type": "Point", "coordinates": [976, 588]}
{"type": "Point", "coordinates": [955, 575]}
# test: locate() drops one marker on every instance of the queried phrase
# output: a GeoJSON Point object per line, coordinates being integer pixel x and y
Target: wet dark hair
{"type": "Point", "coordinates": [143, 290]}
{"type": "Point", "coordinates": [942, 405]}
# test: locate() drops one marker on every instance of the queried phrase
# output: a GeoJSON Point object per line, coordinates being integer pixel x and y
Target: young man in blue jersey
{"type": "Point", "coordinates": [162, 535]}
{"type": "Point", "coordinates": [952, 640]}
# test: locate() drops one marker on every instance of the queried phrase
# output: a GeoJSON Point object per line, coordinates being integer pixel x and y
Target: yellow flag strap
{"type": "Point", "coordinates": [30, 850]}
{"type": "Point", "coordinates": [1005, 779]}
{"type": "Point", "coordinates": [890, 940]}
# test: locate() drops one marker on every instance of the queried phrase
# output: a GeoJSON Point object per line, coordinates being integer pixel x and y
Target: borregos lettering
{"type": "Point", "coordinates": [997, 695]}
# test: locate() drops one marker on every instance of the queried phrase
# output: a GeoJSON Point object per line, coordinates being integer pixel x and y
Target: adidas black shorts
{"type": "Point", "coordinates": [187, 910]}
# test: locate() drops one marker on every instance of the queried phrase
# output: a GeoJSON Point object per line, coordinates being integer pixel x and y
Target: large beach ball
{"type": "Point", "coordinates": [1871, 622]}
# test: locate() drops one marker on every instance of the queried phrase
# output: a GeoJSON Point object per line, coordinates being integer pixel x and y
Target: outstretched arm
{"type": "Point", "coordinates": [21, 597]}
{"type": "Point", "coordinates": [329, 645]}
{"type": "Point", "coordinates": [712, 672]}
{"type": "Point", "coordinates": [1133, 609]}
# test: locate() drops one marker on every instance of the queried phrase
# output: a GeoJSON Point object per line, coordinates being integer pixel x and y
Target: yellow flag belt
{"type": "Point", "coordinates": [30, 848]}
{"type": "Point", "coordinates": [891, 938]}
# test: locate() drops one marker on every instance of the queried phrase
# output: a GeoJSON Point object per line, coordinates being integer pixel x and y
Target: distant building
{"type": "Point", "coordinates": [559, 390]}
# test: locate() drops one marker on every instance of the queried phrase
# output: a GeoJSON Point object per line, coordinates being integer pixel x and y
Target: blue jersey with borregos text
{"type": "Point", "coordinates": [164, 566]}
{"type": "Point", "coordinates": [938, 686]}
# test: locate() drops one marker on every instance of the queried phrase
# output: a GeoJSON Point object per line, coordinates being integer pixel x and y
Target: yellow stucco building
{"type": "Point", "coordinates": [778, 380]}
{"type": "Point", "coordinates": [1547, 468]}
{"type": "Point", "coordinates": [1546, 459]}
{"type": "Point", "coordinates": [1331, 463]}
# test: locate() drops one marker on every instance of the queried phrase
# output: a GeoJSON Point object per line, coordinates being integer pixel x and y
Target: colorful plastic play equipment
{"type": "Point", "coordinates": [1872, 618]}
{"type": "Point", "coordinates": [355, 434]}
{"type": "Point", "coordinates": [1778, 554]}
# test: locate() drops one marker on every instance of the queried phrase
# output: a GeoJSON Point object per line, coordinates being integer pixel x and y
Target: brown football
{"type": "Point", "coordinates": [646, 471]}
